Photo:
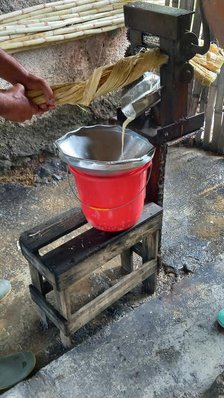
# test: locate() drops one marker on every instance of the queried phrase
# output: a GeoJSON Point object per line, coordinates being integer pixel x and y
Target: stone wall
{"type": "Point", "coordinates": [62, 63]}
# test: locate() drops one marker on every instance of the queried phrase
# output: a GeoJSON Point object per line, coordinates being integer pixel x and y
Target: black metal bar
{"type": "Point", "coordinates": [179, 129]}
{"type": "Point", "coordinates": [158, 20]}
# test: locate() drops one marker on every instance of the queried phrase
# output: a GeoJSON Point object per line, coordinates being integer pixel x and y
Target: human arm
{"type": "Point", "coordinates": [14, 103]}
{"type": "Point", "coordinates": [13, 72]}
{"type": "Point", "coordinates": [214, 13]}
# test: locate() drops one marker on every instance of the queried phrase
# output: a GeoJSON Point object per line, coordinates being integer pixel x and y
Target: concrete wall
{"type": "Point", "coordinates": [62, 63]}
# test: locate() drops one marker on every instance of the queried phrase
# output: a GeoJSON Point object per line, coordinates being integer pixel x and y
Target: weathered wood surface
{"type": "Point", "coordinates": [70, 263]}
{"type": "Point", "coordinates": [150, 246]}
{"type": "Point", "coordinates": [46, 233]}
{"type": "Point", "coordinates": [35, 260]}
{"type": "Point", "coordinates": [37, 281]}
{"type": "Point", "coordinates": [49, 310]}
{"type": "Point", "coordinates": [127, 261]}
{"type": "Point", "coordinates": [100, 303]}
{"type": "Point", "coordinates": [137, 248]}
{"type": "Point", "coordinates": [63, 300]}
{"type": "Point", "coordinates": [209, 114]}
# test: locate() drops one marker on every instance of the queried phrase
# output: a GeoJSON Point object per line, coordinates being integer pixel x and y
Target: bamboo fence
{"type": "Point", "coordinates": [203, 99]}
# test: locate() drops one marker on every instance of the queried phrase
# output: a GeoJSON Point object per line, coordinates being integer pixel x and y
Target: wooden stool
{"type": "Point", "coordinates": [62, 268]}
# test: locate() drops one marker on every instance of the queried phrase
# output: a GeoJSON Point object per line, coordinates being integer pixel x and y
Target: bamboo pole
{"type": "Point", "coordinates": [67, 33]}
{"type": "Point", "coordinates": [57, 8]}
{"type": "Point", "coordinates": [62, 16]}
{"type": "Point", "coordinates": [79, 35]}
{"type": "Point", "coordinates": [66, 41]}
{"type": "Point", "coordinates": [19, 32]}
{"type": "Point", "coordinates": [55, 26]}
{"type": "Point", "coordinates": [88, 15]}
{"type": "Point", "coordinates": [38, 9]}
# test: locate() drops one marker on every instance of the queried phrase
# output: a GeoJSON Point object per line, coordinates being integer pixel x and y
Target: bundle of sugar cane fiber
{"type": "Point", "coordinates": [207, 66]}
{"type": "Point", "coordinates": [110, 78]}
{"type": "Point", "coordinates": [104, 79]}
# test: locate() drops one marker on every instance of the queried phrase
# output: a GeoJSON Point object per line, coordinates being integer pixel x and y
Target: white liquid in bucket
{"type": "Point", "coordinates": [124, 126]}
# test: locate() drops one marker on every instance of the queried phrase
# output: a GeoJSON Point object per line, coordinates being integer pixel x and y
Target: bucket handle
{"type": "Point", "coordinates": [106, 209]}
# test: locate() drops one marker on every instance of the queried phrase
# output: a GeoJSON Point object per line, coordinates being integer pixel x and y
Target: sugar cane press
{"type": "Point", "coordinates": [150, 25]}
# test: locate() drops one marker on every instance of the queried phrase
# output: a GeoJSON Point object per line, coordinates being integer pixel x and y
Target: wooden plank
{"type": "Point", "coordinates": [53, 229]}
{"type": "Point", "coordinates": [138, 249]}
{"type": "Point", "coordinates": [49, 310]}
{"type": "Point", "coordinates": [37, 281]}
{"type": "Point", "coordinates": [64, 303]}
{"type": "Point", "coordinates": [36, 261]}
{"type": "Point", "coordinates": [190, 94]}
{"type": "Point", "coordinates": [100, 303]}
{"type": "Point", "coordinates": [191, 4]}
{"type": "Point", "coordinates": [175, 3]}
{"type": "Point", "coordinates": [195, 88]}
{"type": "Point", "coordinates": [127, 262]}
{"type": "Point", "coordinates": [47, 288]}
{"type": "Point", "coordinates": [204, 100]}
{"type": "Point", "coordinates": [195, 99]}
{"type": "Point", "coordinates": [64, 306]}
{"type": "Point", "coordinates": [186, 4]}
{"type": "Point", "coordinates": [196, 26]}
{"type": "Point", "coordinates": [210, 114]}
{"type": "Point", "coordinates": [104, 255]}
{"type": "Point", "coordinates": [202, 108]}
{"type": "Point", "coordinates": [182, 4]}
{"type": "Point", "coordinates": [218, 114]}
{"type": "Point", "coordinates": [72, 268]}
{"type": "Point", "coordinates": [221, 140]}
{"type": "Point", "coordinates": [150, 247]}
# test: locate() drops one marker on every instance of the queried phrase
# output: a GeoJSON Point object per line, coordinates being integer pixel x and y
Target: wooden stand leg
{"type": "Point", "coordinates": [127, 263]}
{"type": "Point", "coordinates": [64, 306]}
{"type": "Point", "coordinates": [37, 282]}
{"type": "Point", "coordinates": [150, 251]}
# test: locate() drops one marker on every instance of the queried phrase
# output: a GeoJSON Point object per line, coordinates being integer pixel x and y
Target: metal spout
{"type": "Point", "coordinates": [141, 96]}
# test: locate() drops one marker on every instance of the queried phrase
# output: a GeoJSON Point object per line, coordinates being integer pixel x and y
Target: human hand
{"type": "Point", "coordinates": [15, 106]}
{"type": "Point", "coordinates": [32, 82]}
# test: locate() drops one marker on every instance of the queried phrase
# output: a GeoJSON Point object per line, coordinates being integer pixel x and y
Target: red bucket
{"type": "Point", "coordinates": [112, 202]}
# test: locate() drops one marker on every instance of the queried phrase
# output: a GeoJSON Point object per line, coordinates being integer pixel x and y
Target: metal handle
{"type": "Point", "coordinates": [111, 208]}
{"type": "Point", "coordinates": [189, 44]}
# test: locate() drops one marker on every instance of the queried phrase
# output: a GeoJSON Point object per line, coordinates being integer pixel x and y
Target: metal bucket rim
{"type": "Point", "coordinates": [144, 159]}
